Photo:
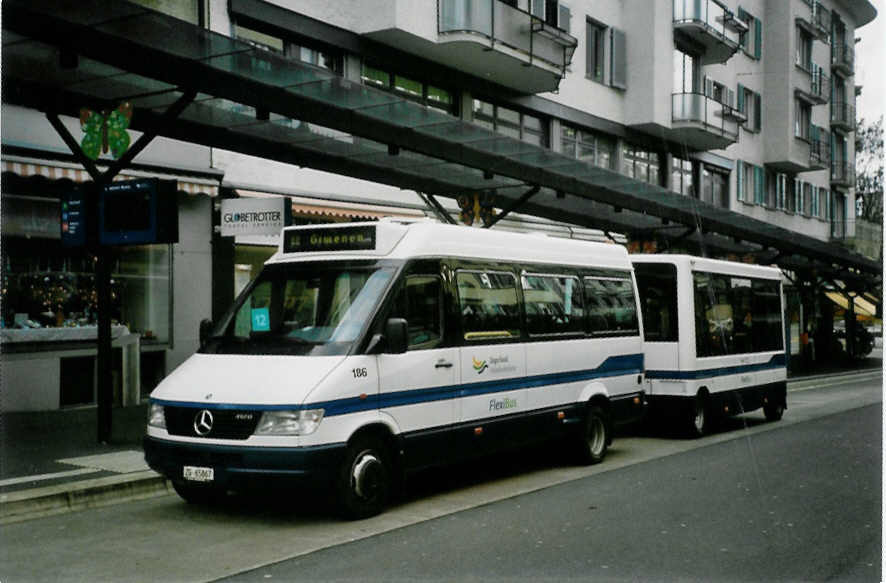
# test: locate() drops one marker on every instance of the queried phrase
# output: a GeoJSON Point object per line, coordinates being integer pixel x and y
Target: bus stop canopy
{"type": "Point", "coordinates": [61, 55]}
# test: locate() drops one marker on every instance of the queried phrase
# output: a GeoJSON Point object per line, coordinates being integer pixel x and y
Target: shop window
{"type": "Point", "coordinates": [48, 286]}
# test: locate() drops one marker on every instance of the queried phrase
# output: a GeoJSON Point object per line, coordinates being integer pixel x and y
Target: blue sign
{"type": "Point", "coordinates": [261, 320]}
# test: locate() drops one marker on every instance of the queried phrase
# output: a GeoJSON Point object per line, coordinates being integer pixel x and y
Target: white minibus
{"type": "Point", "coordinates": [366, 350]}
{"type": "Point", "coordinates": [714, 338]}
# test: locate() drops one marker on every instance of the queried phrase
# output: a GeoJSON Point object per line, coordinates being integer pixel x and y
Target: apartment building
{"type": "Point", "coordinates": [744, 104]}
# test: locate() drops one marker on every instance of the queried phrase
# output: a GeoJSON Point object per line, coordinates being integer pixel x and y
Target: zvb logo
{"type": "Point", "coordinates": [203, 422]}
{"type": "Point", "coordinates": [479, 365]}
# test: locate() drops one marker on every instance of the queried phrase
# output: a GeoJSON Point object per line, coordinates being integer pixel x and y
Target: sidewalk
{"type": "Point", "coordinates": [51, 462]}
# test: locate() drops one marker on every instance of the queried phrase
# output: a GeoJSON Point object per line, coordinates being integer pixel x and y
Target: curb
{"type": "Point", "coordinates": [97, 492]}
{"type": "Point", "coordinates": [79, 495]}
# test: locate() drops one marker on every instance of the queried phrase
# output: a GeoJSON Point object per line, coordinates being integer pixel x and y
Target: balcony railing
{"type": "Point", "coordinates": [843, 58]}
{"type": "Point", "coordinates": [697, 108]}
{"type": "Point", "coordinates": [819, 91]}
{"type": "Point", "coordinates": [821, 20]}
{"type": "Point", "coordinates": [712, 25]}
{"type": "Point", "coordinates": [503, 24]}
{"type": "Point", "coordinates": [843, 116]}
{"type": "Point", "coordinates": [842, 173]}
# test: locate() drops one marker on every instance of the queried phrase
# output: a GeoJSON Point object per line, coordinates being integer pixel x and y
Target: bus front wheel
{"type": "Point", "coordinates": [699, 416]}
{"type": "Point", "coordinates": [773, 411]}
{"type": "Point", "coordinates": [364, 478]}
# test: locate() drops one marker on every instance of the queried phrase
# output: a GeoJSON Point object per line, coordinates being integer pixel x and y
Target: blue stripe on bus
{"type": "Point", "coordinates": [612, 366]}
{"type": "Point", "coordinates": [777, 361]}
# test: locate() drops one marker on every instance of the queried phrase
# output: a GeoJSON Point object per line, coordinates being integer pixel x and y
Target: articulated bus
{"type": "Point", "coordinates": [366, 350]}
{"type": "Point", "coordinates": [713, 338]}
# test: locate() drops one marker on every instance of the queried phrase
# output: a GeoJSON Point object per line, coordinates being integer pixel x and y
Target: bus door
{"type": "Point", "coordinates": [494, 398]}
{"type": "Point", "coordinates": [419, 387]}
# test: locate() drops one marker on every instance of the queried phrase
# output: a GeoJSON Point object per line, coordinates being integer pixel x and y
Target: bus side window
{"type": "Point", "coordinates": [420, 302]}
{"type": "Point", "coordinates": [488, 304]}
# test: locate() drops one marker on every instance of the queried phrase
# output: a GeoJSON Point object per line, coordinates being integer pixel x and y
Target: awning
{"type": "Point", "coordinates": [258, 103]}
{"type": "Point", "coordinates": [61, 171]}
{"type": "Point", "coordinates": [339, 210]}
{"type": "Point", "coordinates": [861, 306]}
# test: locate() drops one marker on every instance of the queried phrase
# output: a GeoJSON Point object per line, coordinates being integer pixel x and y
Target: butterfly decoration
{"type": "Point", "coordinates": [105, 130]}
{"type": "Point", "coordinates": [476, 206]}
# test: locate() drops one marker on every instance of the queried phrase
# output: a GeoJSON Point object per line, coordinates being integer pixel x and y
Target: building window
{"type": "Point", "coordinates": [749, 104]}
{"type": "Point", "coordinates": [318, 58]}
{"type": "Point", "coordinates": [803, 57]}
{"type": "Point", "coordinates": [750, 183]}
{"type": "Point", "coordinates": [411, 89]}
{"type": "Point", "coordinates": [714, 187]}
{"type": "Point", "coordinates": [596, 50]}
{"type": "Point", "coordinates": [606, 55]}
{"type": "Point", "coordinates": [807, 199]}
{"type": "Point", "coordinates": [682, 176]}
{"type": "Point", "coordinates": [822, 203]}
{"type": "Point", "coordinates": [589, 146]}
{"type": "Point", "coordinates": [802, 119]}
{"type": "Point", "coordinates": [510, 122]}
{"type": "Point", "coordinates": [752, 39]}
{"type": "Point", "coordinates": [686, 73]}
{"type": "Point", "coordinates": [641, 164]}
{"type": "Point", "coordinates": [781, 188]}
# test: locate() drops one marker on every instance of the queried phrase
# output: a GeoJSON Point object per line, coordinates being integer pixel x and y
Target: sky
{"type": "Point", "coordinates": [870, 65]}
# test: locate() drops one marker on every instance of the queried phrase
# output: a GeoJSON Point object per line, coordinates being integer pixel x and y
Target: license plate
{"type": "Point", "coordinates": [198, 474]}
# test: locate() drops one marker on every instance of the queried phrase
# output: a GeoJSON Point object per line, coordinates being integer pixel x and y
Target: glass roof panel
{"type": "Point", "coordinates": [343, 93]}
{"type": "Point", "coordinates": [36, 61]}
{"type": "Point", "coordinates": [264, 67]}
{"type": "Point", "coordinates": [406, 113]}
{"type": "Point", "coordinates": [219, 113]}
{"type": "Point", "coordinates": [85, 12]}
{"type": "Point", "coordinates": [458, 131]}
{"type": "Point", "coordinates": [152, 30]}
{"type": "Point", "coordinates": [346, 146]}
{"type": "Point", "coordinates": [543, 159]}
{"type": "Point", "coordinates": [121, 87]}
{"type": "Point", "coordinates": [405, 159]}
{"type": "Point", "coordinates": [291, 131]}
{"type": "Point", "coordinates": [504, 146]}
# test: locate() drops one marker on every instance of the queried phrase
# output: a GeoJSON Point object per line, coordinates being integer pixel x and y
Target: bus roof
{"type": "Point", "coordinates": [403, 239]}
{"type": "Point", "coordinates": [711, 265]}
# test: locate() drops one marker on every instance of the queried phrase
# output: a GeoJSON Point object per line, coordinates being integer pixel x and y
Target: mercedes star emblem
{"type": "Point", "coordinates": [203, 422]}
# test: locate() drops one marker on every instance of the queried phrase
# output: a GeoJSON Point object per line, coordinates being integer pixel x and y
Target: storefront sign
{"type": "Point", "coordinates": [254, 216]}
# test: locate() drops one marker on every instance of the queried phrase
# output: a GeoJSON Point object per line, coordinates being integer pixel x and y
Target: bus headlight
{"type": "Point", "coordinates": [156, 416]}
{"type": "Point", "coordinates": [302, 422]}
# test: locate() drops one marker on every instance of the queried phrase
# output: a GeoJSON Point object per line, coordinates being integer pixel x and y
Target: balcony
{"type": "Point", "coordinates": [819, 22]}
{"type": "Point", "coordinates": [702, 123]}
{"type": "Point", "coordinates": [819, 148]}
{"type": "Point", "coordinates": [819, 91]}
{"type": "Point", "coordinates": [842, 174]}
{"type": "Point", "coordinates": [709, 27]}
{"type": "Point", "coordinates": [842, 116]}
{"type": "Point", "coordinates": [843, 59]}
{"type": "Point", "coordinates": [495, 41]}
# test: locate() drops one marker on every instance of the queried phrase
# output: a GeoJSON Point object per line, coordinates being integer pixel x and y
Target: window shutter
{"type": "Point", "coordinates": [565, 19]}
{"type": "Point", "coordinates": [740, 93]}
{"type": "Point", "coordinates": [619, 61]}
{"type": "Point", "coordinates": [759, 184]}
{"type": "Point", "coordinates": [758, 37]}
{"type": "Point", "coordinates": [739, 172]}
{"type": "Point", "coordinates": [758, 112]}
{"type": "Point", "coordinates": [538, 8]}
{"type": "Point", "coordinates": [730, 98]}
{"type": "Point", "coordinates": [708, 87]}
{"type": "Point", "coordinates": [798, 187]}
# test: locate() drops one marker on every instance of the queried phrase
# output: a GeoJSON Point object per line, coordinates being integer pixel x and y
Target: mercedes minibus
{"type": "Point", "coordinates": [366, 350]}
{"type": "Point", "coordinates": [714, 338]}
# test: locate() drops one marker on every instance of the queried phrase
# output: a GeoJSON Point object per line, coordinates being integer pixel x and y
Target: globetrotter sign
{"type": "Point", "coordinates": [254, 216]}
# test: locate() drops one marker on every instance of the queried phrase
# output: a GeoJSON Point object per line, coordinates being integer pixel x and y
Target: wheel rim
{"type": "Point", "coordinates": [367, 475]}
{"type": "Point", "coordinates": [596, 436]}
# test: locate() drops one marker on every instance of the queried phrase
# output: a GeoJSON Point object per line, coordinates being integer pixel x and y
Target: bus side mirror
{"type": "Point", "coordinates": [205, 331]}
{"type": "Point", "coordinates": [396, 331]}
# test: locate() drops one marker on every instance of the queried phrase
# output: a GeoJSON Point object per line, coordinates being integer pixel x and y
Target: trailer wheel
{"type": "Point", "coordinates": [699, 416]}
{"type": "Point", "coordinates": [773, 411]}
{"type": "Point", "coordinates": [363, 483]}
{"type": "Point", "coordinates": [594, 438]}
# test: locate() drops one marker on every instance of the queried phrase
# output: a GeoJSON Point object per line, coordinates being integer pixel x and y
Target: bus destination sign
{"type": "Point", "coordinates": [330, 239]}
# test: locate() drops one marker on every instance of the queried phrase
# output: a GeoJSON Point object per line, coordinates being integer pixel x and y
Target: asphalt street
{"type": "Point", "coordinates": [793, 500]}
{"type": "Point", "coordinates": [801, 503]}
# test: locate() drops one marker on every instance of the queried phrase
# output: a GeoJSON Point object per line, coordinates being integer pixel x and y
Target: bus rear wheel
{"type": "Point", "coordinates": [364, 481]}
{"type": "Point", "coordinates": [773, 411]}
{"type": "Point", "coordinates": [593, 441]}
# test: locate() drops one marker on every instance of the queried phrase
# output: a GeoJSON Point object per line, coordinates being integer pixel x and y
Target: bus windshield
{"type": "Point", "coordinates": [302, 309]}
